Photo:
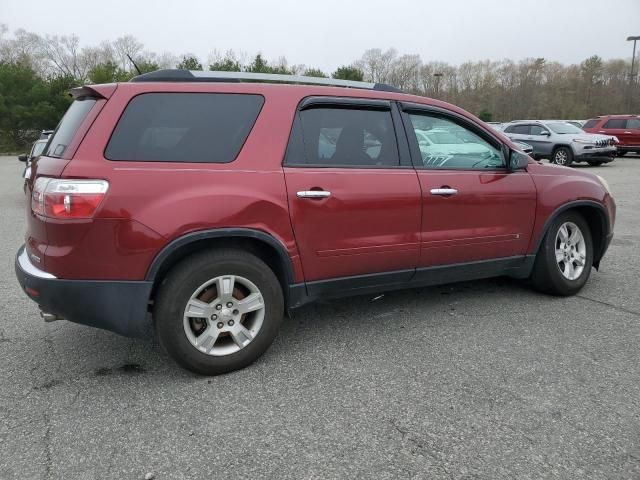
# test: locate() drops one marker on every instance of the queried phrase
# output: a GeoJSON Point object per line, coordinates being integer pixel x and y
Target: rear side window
{"type": "Point", "coordinates": [68, 126]}
{"type": "Point", "coordinates": [343, 137]}
{"type": "Point", "coordinates": [184, 127]}
{"type": "Point", "coordinates": [615, 123]}
{"type": "Point", "coordinates": [590, 123]}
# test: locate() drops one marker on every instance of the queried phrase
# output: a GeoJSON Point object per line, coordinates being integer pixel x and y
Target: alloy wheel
{"type": "Point", "coordinates": [224, 315]}
{"type": "Point", "coordinates": [571, 251]}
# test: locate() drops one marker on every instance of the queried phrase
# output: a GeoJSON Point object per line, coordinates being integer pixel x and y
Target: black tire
{"type": "Point", "coordinates": [562, 156]}
{"type": "Point", "coordinates": [184, 279]}
{"type": "Point", "coordinates": [621, 153]}
{"type": "Point", "coordinates": [595, 164]}
{"type": "Point", "coordinates": [546, 276]}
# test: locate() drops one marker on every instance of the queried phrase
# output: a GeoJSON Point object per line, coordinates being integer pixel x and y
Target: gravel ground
{"type": "Point", "coordinates": [481, 379]}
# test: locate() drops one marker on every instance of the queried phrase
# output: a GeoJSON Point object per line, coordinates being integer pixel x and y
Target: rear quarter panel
{"type": "Point", "coordinates": [167, 200]}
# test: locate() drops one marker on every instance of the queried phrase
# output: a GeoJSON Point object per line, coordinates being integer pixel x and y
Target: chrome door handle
{"type": "Point", "coordinates": [627, 132]}
{"type": "Point", "coordinates": [443, 191]}
{"type": "Point", "coordinates": [313, 194]}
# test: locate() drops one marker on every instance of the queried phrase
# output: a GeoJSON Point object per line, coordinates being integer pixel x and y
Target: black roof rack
{"type": "Point", "coordinates": [175, 75]}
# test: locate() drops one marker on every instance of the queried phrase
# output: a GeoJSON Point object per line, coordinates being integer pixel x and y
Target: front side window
{"type": "Point", "coordinates": [615, 123]}
{"type": "Point", "coordinates": [344, 137]}
{"type": "Point", "coordinates": [184, 127]}
{"type": "Point", "coordinates": [444, 144]}
{"type": "Point", "coordinates": [538, 130]}
{"type": "Point", "coordinates": [590, 123]}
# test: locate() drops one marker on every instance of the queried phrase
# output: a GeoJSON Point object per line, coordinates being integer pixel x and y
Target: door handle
{"type": "Point", "coordinates": [445, 192]}
{"type": "Point", "coordinates": [627, 132]}
{"type": "Point", "coordinates": [313, 194]}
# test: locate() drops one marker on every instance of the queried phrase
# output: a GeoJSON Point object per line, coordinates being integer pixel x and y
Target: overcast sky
{"type": "Point", "coordinates": [329, 33]}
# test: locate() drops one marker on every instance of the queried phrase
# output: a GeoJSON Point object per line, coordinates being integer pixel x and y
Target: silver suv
{"type": "Point", "coordinates": [561, 142]}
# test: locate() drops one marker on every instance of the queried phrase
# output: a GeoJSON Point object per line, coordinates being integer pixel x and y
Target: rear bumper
{"type": "Point", "coordinates": [604, 156]}
{"type": "Point", "coordinates": [118, 306]}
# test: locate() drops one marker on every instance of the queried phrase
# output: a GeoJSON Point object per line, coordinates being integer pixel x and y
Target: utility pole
{"type": "Point", "coordinates": [437, 76]}
{"type": "Point", "coordinates": [632, 77]}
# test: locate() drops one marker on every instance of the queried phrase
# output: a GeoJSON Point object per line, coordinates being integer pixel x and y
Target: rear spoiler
{"type": "Point", "coordinates": [104, 90]}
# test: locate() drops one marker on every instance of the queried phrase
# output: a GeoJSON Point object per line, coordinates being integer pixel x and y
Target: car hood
{"type": "Point", "coordinates": [587, 137]}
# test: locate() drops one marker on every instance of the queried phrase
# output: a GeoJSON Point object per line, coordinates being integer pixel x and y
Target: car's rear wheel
{"type": "Point", "coordinates": [218, 311]}
{"type": "Point", "coordinates": [621, 153]}
{"type": "Point", "coordinates": [595, 164]}
{"type": "Point", "coordinates": [562, 156]}
{"type": "Point", "coordinates": [564, 260]}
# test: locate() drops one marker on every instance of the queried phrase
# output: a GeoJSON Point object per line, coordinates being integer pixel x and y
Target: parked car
{"type": "Point", "coordinates": [45, 134]}
{"type": "Point", "coordinates": [561, 142]}
{"type": "Point", "coordinates": [36, 150]}
{"type": "Point", "coordinates": [207, 209]}
{"type": "Point", "coordinates": [625, 127]}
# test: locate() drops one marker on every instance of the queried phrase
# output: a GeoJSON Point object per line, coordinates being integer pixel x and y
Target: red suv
{"type": "Point", "coordinates": [625, 127]}
{"type": "Point", "coordinates": [205, 207]}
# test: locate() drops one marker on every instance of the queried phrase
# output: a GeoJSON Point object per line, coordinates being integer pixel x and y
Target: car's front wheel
{"type": "Point", "coordinates": [564, 260]}
{"type": "Point", "coordinates": [218, 311]}
{"type": "Point", "coordinates": [562, 156]}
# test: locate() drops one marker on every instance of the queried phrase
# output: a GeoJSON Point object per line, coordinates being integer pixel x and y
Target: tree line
{"type": "Point", "coordinates": [37, 71]}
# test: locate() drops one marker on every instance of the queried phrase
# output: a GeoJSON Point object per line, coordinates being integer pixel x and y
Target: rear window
{"type": "Point", "coordinates": [615, 123]}
{"type": "Point", "coordinates": [68, 126]}
{"type": "Point", "coordinates": [590, 123]}
{"type": "Point", "coordinates": [184, 127]}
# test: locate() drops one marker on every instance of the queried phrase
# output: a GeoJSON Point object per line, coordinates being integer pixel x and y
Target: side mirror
{"type": "Point", "coordinates": [545, 133]}
{"type": "Point", "coordinates": [23, 157]}
{"type": "Point", "coordinates": [518, 160]}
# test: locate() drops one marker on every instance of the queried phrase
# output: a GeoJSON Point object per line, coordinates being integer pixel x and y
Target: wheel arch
{"type": "Point", "coordinates": [263, 245]}
{"type": "Point", "coordinates": [597, 219]}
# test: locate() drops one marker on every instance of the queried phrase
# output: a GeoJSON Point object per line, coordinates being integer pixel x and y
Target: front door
{"type": "Point", "coordinates": [355, 208]}
{"type": "Point", "coordinates": [473, 207]}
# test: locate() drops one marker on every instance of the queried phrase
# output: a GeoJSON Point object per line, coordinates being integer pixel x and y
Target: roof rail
{"type": "Point", "coordinates": [175, 75]}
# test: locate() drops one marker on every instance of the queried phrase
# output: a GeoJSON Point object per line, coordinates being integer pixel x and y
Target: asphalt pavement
{"type": "Point", "coordinates": [483, 379]}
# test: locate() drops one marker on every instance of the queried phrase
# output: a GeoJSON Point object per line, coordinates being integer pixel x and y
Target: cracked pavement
{"type": "Point", "coordinates": [482, 379]}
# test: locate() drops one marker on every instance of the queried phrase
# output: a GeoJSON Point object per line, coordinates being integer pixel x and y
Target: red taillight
{"type": "Point", "coordinates": [67, 198]}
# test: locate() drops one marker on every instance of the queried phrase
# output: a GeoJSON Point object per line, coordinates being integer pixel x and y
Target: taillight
{"type": "Point", "coordinates": [67, 198]}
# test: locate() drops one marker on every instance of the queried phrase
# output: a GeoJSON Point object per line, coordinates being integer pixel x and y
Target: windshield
{"type": "Point", "coordinates": [38, 147]}
{"type": "Point", "coordinates": [562, 127]}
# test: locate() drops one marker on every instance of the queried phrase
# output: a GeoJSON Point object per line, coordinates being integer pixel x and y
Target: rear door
{"type": "Point", "coordinates": [473, 207]}
{"type": "Point", "coordinates": [354, 197]}
{"type": "Point", "coordinates": [632, 131]}
{"type": "Point", "coordinates": [616, 127]}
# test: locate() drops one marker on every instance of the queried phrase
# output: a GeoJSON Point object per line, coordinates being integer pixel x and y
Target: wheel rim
{"type": "Point", "coordinates": [224, 315]}
{"type": "Point", "coordinates": [561, 157]}
{"type": "Point", "coordinates": [571, 251]}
